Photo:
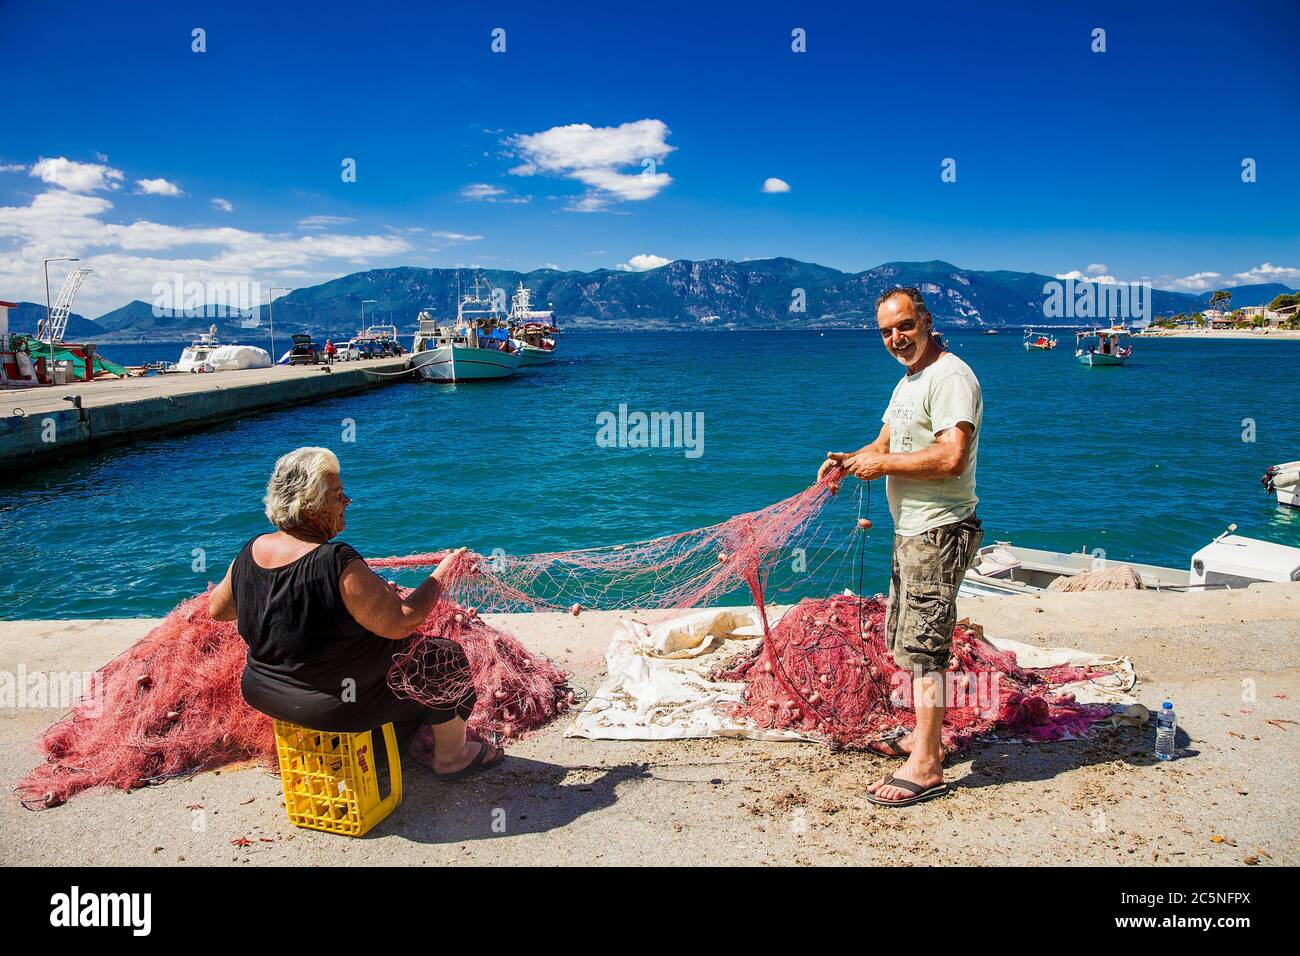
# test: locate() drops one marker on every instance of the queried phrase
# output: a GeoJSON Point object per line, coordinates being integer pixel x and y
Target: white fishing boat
{"type": "Point", "coordinates": [1229, 561]}
{"type": "Point", "coordinates": [477, 347]}
{"type": "Point", "coordinates": [1106, 350]}
{"type": "Point", "coordinates": [533, 330]}
{"type": "Point", "coordinates": [1284, 481]}
{"type": "Point", "coordinates": [195, 357]}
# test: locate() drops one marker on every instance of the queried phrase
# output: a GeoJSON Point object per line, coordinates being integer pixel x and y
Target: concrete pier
{"type": "Point", "coordinates": [1229, 659]}
{"type": "Point", "coordinates": [43, 424]}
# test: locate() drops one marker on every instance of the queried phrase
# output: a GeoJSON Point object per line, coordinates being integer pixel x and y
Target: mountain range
{"type": "Point", "coordinates": [684, 294]}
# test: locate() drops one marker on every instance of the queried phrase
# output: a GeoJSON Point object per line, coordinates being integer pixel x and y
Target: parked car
{"type": "Point", "coordinates": [363, 348]}
{"type": "Point", "coordinates": [303, 351]}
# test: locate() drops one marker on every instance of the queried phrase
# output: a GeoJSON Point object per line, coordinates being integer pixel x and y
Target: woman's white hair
{"type": "Point", "coordinates": [298, 486]}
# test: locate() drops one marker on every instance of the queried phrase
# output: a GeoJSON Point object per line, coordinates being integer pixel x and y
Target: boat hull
{"type": "Point", "coordinates": [462, 363]}
{"type": "Point", "coordinates": [1092, 359]}
{"type": "Point", "coordinates": [531, 355]}
{"type": "Point", "coordinates": [1035, 569]}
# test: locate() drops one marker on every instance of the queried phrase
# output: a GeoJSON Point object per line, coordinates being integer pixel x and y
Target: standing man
{"type": "Point", "coordinates": [330, 351]}
{"type": "Point", "coordinates": [927, 448]}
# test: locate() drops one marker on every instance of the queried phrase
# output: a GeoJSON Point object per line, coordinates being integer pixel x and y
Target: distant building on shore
{"type": "Point", "coordinates": [1272, 317]}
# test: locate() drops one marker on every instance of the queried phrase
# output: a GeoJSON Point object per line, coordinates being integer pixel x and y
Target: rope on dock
{"type": "Point", "coordinates": [405, 371]}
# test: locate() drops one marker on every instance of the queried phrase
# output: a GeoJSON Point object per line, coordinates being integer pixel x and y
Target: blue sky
{"type": "Point", "coordinates": [1127, 161]}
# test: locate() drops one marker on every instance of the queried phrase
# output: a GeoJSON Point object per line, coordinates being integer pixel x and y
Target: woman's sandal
{"type": "Point", "coordinates": [487, 757]}
{"type": "Point", "coordinates": [918, 792]}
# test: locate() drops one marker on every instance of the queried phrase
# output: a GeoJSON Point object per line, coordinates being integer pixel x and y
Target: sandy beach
{"type": "Point", "coordinates": [1230, 800]}
{"type": "Point", "coordinates": [1271, 335]}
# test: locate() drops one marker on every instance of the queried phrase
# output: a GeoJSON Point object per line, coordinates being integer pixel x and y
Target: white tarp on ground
{"type": "Point", "coordinates": [230, 358]}
{"type": "Point", "coordinates": [658, 685]}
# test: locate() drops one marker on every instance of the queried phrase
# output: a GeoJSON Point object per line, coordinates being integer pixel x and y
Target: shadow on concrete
{"type": "Point", "coordinates": [996, 763]}
{"type": "Point", "coordinates": [519, 797]}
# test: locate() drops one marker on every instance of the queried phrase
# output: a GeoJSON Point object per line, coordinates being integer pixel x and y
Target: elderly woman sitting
{"type": "Point", "coordinates": [322, 628]}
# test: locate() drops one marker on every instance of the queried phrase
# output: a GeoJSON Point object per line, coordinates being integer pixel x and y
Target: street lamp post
{"type": "Point", "coordinates": [364, 302]}
{"type": "Point", "coordinates": [270, 310]}
{"type": "Point", "coordinates": [49, 318]}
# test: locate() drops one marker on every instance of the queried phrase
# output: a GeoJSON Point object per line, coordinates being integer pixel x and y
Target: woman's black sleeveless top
{"type": "Point", "coordinates": [298, 630]}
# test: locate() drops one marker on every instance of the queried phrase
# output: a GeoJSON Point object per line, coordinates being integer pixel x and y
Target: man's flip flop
{"type": "Point", "coordinates": [918, 792]}
{"type": "Point", "coordinates": [480, 763]}
{"type": "Point", "coordinates": [887, 747]}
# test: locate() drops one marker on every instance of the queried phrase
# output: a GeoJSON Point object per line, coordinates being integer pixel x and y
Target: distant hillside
{"type": "Point", "coordinates": [28, 314]}
{"type": "Point", "coordinates": [756, 294]}
{"type": "Point", "coordinates": [136, 320]}
{"type": "Point", "coordinates": [1244, 295]}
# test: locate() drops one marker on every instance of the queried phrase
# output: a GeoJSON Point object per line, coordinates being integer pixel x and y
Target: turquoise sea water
{"type": "Point", "coordinates": [1146, 461]}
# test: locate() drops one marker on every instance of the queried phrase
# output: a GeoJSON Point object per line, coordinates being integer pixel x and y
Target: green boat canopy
{"type": "Point", "coordinates": [62, 353]}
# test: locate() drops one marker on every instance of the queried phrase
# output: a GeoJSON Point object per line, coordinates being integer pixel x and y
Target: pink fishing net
{"type": "Point", "coordinates": [825, 669]}
{"type": "Point", "coordinates": [171, 704]}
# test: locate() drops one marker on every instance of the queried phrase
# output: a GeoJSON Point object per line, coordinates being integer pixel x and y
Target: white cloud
{"type": "Point", "coordinates": [13, 167]}
{"type": "Point", "coordinates": [1098, 268]}
{"type": "Point", "coordinates": [453, 236]}
{"type": "Point", "coordinates": [588, 203]}
{"type": "Point", "coordinates": [774, 185]}
{"type": "Point", "coordinates": [323, 222]}
{"type": "Point", "coordinates": [486, 192]}
{"type": "Point", "coordinates": [158, 187]}
{"type": "Point", "coordinates": [1197, 282]}
{"type": "Point", "coordinates": [1268, 273]}
{"type": "Point", "coordinates": [1210, 281]}
{"type": "Point", "coordinates": [223, 204]}
{"type": "Point", "coordinates": [1078, 276]}
{"type": "Point", "coordinates": [129, 257]}
{"type": "Point", "coordinates": [597, 158]}
{"type": "Point", "coordinates": [76, 177]}
{"type": "Point", "coordinates": [643, 263]}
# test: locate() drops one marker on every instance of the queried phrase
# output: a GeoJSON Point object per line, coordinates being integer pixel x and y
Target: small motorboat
{"type": "Point", "coordinates": [1035, 341]}
{"type": "Point", "coordinates": [1284, 481]}
{"type": "Point", "coordinates": [1229, 561]}
{"type": "Point", "coordinates": [195, 357]}
{"type": "Point", "coordinates": [1106, 350]}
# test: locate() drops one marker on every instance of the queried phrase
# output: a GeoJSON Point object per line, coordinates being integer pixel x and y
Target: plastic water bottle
{"type": "Point", "coordinates": [1166, 731]}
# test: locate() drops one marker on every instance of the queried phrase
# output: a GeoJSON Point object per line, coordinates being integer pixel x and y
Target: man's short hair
{"type": "Point", "coordinates": [913, 294]}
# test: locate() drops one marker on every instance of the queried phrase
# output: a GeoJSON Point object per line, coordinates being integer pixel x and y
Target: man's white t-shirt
{"type": "Point", "coordinates": [933, 400]}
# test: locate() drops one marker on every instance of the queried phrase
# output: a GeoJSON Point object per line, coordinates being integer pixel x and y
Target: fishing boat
{"type": "Point", "coordinates": [532, 330]}
{"type": "Point", "coordinates": [1106, 350]}
{"type": "Point", "coordinates": [477, 347]}
{"type": "Point", "coordinates": [1284, 481]}
{"type": "Point", "coordinates": [990, 331]}
{"type": "Point", "coordinates": [1229, 561]}
{"type": "Point", "coordinates": [1036, 341]}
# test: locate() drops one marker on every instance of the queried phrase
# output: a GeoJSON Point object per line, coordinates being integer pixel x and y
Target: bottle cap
{"type": "Point", "coordinates": [1168, 705]}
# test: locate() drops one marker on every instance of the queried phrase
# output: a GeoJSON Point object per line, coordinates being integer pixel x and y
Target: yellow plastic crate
{"type": "Point", "coordinates": [330, 779]}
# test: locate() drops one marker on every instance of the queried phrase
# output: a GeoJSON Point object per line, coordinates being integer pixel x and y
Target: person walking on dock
{"type": "Point", "coordinates": [330, 351]}
{"type": "Point", "coordinates": [927, 449]}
